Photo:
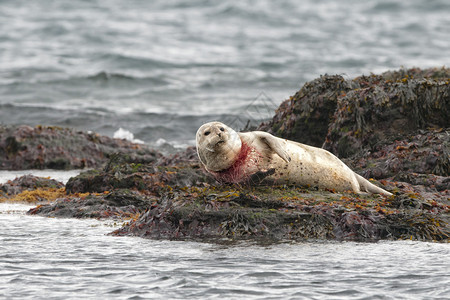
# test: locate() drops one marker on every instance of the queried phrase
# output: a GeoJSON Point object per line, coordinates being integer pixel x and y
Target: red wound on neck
{"type": "Point", "coordinates": [237, 172]}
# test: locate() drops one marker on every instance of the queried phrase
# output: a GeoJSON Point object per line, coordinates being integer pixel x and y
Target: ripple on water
{"type": "Point", "coordinates": [70, 258]}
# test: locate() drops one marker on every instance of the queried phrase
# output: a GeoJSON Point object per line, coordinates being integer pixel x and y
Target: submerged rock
{"type": "Point", "coordinates": [392, 127]}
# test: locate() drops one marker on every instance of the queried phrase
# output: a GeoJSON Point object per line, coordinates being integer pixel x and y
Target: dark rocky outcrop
{"type": "Point", "coordinates": [350, 116]}
{"type": "Point", "coordinates": [305, 116]}
{"type": "Point", "coordinates": [45, 147]}
{"type": "Point", "coordinates": [120, 204]}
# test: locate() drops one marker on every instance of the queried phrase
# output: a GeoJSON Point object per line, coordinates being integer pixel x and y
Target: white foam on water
{"type": "Point", "coordinates": [126, 135]}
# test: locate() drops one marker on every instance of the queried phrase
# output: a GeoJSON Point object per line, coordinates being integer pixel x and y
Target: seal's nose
{"type": "Point", "coordinates": [220, 134]}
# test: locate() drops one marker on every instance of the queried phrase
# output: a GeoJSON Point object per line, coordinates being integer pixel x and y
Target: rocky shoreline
{"type": "Point", "coordinates": [392, 127]}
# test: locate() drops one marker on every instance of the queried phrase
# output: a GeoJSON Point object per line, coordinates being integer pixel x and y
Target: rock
{"type": "Point", "coordinates": [202, 209]}
{"type": "Point", "coordinates": [421, 152]}
{"type": "Point", "coordinates": [118, 205]}
{"type": "Point", "coordinates": [381, 111]}
{"type": "Point", "coordinates": [28, 183]}
{"type": "Point", "coordinates": [306, 115]}
{"type": "Point", "coordinates": [44, 147]}
{"type": "Point", "coordinates": [344, 218]}
{"type": "Point", "coordinates": [181, 169]}
{"type": "Point", "coordinates": [349, 117]}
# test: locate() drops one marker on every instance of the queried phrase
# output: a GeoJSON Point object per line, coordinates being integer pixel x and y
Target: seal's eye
{"type": "Point", "coordinates": [222, 129]}
{"type": "Point", "coordinates": [208, 132]}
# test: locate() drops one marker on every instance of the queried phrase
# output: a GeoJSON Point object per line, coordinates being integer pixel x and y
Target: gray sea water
{"type": "Point", "coordinates": [159, 69]}
{"type": "Point", "coordinates": [75, 259]}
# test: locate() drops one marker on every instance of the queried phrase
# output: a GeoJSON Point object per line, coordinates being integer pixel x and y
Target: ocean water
{"type": "Point", "coordinates": [159, 69]}
{"type": "Point", "coordinates": [75, 259]}
{"type": "Point", "coordinates": [154, 71]}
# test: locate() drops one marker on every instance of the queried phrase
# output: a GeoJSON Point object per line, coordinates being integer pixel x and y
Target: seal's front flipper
{"type": "Point", "coordinates": [259, 176]}
{"type": "Point", "coordinates": [276, 145]}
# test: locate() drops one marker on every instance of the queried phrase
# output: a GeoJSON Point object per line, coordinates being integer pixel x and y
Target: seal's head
{"type": "Point", "coordinates": [218, 146]}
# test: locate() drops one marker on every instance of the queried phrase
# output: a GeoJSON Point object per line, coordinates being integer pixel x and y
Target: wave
{"type": "Point", "coordinates": [142, 61]}
{"type": "Point", "coordinates": [102, 77]}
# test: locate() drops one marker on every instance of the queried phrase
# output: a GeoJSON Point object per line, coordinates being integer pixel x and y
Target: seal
{"type": "Point", "coordinates": [257, 156]}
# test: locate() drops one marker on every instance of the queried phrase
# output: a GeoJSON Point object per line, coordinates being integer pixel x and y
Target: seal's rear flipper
{"type": "Point", "coordinates": [367, 186]}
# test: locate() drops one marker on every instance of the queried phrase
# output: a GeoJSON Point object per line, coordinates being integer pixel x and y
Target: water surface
{"type": "Point", "coordinates": [162, 68]}
{"type": "Point", "coordinates": [73, 259]}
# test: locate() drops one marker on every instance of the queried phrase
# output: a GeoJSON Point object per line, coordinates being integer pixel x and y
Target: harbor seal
{"type": "Point", "coordinates": [259, 156]}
